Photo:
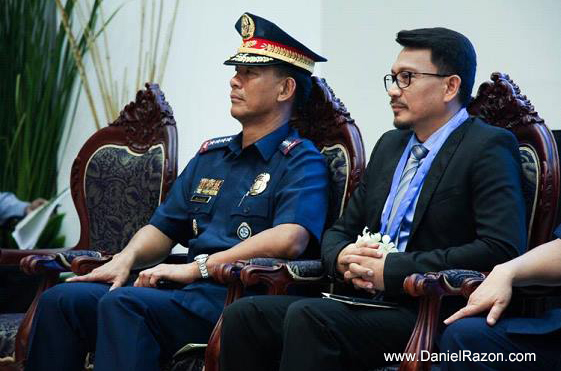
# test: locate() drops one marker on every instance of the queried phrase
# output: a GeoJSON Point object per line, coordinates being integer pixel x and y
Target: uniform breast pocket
{"type": "Point", "coordinates": [200, 214]}
{"type": "Point", "coordinates": [252, 216]}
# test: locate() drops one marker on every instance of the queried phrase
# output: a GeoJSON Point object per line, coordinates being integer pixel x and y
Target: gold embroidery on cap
{"type": "Point", "coordinates": [278, 53]}
{"type": "Point", "coordinates": [249, 43]}
{"type": "Point", "coordinates": [246, 58]}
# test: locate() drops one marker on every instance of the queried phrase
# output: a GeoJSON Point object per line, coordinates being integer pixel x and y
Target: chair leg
{"type": "Point", "coordinates": [423, 334]}
{"type": "Point", "coordinates": [212, 353]}
{"type": "Point", "coordinates": [22, 336]}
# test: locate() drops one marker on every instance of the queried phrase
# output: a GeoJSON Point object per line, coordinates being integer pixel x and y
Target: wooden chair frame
{"type": "Point", "coordinates": [142, 124]}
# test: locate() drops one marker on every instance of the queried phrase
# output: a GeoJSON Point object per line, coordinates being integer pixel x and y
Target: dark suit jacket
{"type": "Point", "coordinates": [470, 213]}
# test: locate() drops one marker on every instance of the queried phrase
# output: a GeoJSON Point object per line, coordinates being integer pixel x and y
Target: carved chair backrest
{"type": "Point", "coordinates": [500, 103]}
{"type": "Point", "coordinates": [328, 124]}
{"type": "Point", "coordinates": [124, 171]}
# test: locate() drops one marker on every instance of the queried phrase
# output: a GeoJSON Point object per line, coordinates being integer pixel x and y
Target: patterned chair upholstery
{"type": "Point", "coordinates": [118, 178]}
{"type": "Point", "coordinates": [337, 158]}
{"type": "Point", "coordinates": [122, 191]}
{"type": "Point", "coordinates": [500, 103]}
{"type": "Point", "coordinates": [328, 124]}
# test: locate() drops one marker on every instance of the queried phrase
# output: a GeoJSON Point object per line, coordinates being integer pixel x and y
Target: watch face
{"type": "Point", "coordinates": [201, 257]}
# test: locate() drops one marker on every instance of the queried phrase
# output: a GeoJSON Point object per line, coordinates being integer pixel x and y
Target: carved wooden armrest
{"type": "Point", "coordinates": [54, 262]}
{"type": "Point", "coordinates": [448, 282]}
{"type": "Point", "coordinates": [228, 273]}
{"type": "Point", "coordinates": [278, 274]}
{"type": "Point", "coordinates": [431, 287]}
{"type": "Point", "coordinates": [85, 264]}
{"type": "Point", "coordinates": [37, 264]}
{"type": "Point", "coordinates": [14, 257]}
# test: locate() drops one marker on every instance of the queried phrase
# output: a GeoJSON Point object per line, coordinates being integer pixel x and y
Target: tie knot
{"type": "Point", "coordinates": [419, 152]}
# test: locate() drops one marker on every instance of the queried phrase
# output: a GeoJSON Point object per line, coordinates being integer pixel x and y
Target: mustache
{"type": "Point", "coordinates": [396, 103]}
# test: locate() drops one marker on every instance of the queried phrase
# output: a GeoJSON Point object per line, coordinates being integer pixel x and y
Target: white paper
{"type": "Point", "coordinates": [358, 301]}
{"type": "Point", "coordinates": [29, 229]}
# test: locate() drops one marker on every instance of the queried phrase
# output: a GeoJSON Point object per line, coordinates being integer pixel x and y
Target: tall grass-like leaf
{"type": "Point", "coordinates": [37, 94]}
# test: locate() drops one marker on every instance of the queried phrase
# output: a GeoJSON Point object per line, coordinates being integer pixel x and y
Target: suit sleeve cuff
{"type": "Point", "coordinates": [396, 269]}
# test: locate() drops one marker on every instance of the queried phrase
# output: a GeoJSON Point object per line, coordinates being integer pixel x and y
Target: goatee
{"type": "Point", "coordinates": [401, 125]}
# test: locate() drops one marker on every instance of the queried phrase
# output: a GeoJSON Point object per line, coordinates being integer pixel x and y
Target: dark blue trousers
{"type": "Point", "coordinates": [129, 328]}
{"type": "Point", "coordinates": [473, 334]}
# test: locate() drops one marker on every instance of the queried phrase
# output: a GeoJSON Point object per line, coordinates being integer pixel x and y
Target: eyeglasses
{"type": "Point", "coordinates": [403, 78]}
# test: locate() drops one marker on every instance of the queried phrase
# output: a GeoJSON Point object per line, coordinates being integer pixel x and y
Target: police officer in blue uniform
{"type": "Point", "coordinates": [262, 192]}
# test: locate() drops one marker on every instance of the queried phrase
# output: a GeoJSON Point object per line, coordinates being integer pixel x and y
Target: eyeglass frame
{"type": "Point", "coordinates": [410, 75]}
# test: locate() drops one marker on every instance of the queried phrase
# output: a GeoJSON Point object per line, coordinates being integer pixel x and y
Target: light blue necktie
{"type": "Point", "coordinates": [418, 152]}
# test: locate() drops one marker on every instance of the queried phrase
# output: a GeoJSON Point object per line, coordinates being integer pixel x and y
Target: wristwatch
{"type": "Point", "coordinates": [201, 262]}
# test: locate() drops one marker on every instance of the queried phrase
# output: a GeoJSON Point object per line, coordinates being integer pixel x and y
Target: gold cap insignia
{"type": "Point", "coordinates": [247, 27]}
{"type": "Point", "coordinates": [259, 184]}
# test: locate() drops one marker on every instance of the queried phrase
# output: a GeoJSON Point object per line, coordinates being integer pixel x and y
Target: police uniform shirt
{"type": "Point", "coordinates": [215, 203]}
{"type": "Point", "coordinates": [212, 197]}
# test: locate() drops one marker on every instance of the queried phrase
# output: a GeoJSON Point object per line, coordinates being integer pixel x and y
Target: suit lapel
{"type": "Point", "coordinates": [385, 177]}
{"type": "Point", "coordinates": [436, 171]}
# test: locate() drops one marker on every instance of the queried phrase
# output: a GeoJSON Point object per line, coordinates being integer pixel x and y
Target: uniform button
{"type": "Point", "coordinates": [246, 210]}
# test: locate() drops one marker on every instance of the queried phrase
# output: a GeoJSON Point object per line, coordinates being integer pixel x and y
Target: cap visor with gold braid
{"type": "Point", "coordinates": [264, 43]}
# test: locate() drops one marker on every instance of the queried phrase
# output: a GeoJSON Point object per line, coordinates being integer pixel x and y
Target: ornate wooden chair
{"type": "Point", "coordinates": [118, 178]}
{"type": "Point", "coordinates": [326, 122]}
{"type": "Point", "coordinates": [500, 103]}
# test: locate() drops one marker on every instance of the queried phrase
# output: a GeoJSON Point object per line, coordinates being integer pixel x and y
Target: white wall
{"type": "Point", "coordinates": [196, 83]}
{"type": "Point", "coordinates": [357, 36]}
{"type": "Point", "coordinates": [517, 37]}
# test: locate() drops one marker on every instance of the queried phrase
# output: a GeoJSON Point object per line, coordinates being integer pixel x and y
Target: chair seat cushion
{"type": "Point", "coordinates": [9, 324]}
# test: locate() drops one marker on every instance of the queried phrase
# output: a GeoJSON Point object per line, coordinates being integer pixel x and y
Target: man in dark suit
{"type": "Point", "coordinates": [513, 343]}
{"type": "Point", "coordinates": [443, 189]}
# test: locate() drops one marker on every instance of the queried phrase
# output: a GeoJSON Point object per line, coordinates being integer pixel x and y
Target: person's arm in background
{"type": "Point", "coordinates": [539, 266]}
{"type": "Point", "coordinates": [11, 206]}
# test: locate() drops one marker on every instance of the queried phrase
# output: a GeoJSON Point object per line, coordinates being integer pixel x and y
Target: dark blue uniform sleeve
{"type": "Point", "coordinates": [557, 231]}
{"type": "Point", "coordinates": [302, 193]}
{"type": "Point", "coordinates": [172, 216]}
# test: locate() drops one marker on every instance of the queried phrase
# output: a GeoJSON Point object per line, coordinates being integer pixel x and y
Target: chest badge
{"type": "Point", "coordinates": [259, 184]}
{"type": "Point", "coordinates": [244, 231]}
{"type": "Point", "coordinates": [209, 187]}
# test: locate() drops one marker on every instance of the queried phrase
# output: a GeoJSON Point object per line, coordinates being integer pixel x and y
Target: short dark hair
{"type": "Point", "coordinates": [303, 83]}
{"type": "Point", "coordinates": [451, 53]}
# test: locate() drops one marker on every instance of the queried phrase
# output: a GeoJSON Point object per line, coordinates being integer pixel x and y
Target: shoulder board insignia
{"type": "Point", "coordinates": [289, 143]}
{"type": "Point", "coordinates": [215, 143]}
